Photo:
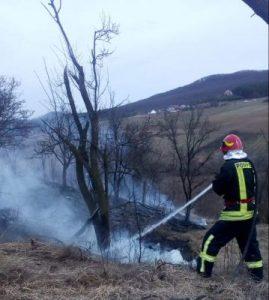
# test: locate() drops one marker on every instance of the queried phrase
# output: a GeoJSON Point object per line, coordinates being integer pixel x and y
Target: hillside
{"type": "Point", "coordinates": [207, 89]}
{"type": "Point", "coordinates": [39, 270]}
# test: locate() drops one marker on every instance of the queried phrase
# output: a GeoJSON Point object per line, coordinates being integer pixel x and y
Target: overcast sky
{"type": "Point", "coordinates": [163, 44]}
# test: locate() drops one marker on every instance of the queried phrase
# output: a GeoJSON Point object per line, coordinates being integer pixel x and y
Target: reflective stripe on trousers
{"type": "Point", "coordinates": [254, 264]}
{"type": "Point", "coordinates": [203, 254]}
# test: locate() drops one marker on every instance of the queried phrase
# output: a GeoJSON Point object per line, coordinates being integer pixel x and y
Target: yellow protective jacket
{"type": "Point", "coordinates": [236, 183]}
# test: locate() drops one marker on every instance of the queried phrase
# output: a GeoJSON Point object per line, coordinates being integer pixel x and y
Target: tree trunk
{"type": "Point", "coordinates": [116, 190]}
{"type": "Point", "coordinates": [100, 222]}
{"type": "Point", "coordinates": [97, 184]}
{"type": "Point", "coordinates": [43, 161]}
{"type": "Point", "coordinates": [105, 166]}
{"type": "Point", "coordinates": [144, 192]}
{"type": "Point", "coordinates": [64, 176]}
{"type": "Point", "coordinates": [187, 215]}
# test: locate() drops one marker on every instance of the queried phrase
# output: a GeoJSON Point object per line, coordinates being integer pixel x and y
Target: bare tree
{"type": "Point", "coordinates": [138, 224]}
{"type": "Point", "coordinates": [58, 123]}
{"type": "Point", "coordinates": [187, 134]}
{"type": "Point", "coordinates": [260, 7]}
{"type": "Point", "coordinates": [143, 160]}
{"type": "Point", "coordinates": [127, 153]}
{"type": "Point", "coordinates": [13, 117]}
{"type": "Point", "coordinates": [87, 152]}
{"type": "Point", "coordinates": [114, 151]}
{"type": "Point", "coordinates": [52, 145]}
{"type": "Point", "coordinates": [138, 135]}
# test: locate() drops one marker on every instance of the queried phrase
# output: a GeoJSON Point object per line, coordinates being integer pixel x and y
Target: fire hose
{"type": "Point", "coordinates": [163, 221]}
{"type": "Point", "coordinates": [149, 229]}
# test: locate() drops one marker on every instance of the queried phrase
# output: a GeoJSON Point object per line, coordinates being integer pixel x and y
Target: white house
{"type": "Point", "coordinates": [228, 93]}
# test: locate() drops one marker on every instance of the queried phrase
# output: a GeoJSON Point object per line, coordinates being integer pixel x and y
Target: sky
{"type": "Point", "coordinates": [163, 44]}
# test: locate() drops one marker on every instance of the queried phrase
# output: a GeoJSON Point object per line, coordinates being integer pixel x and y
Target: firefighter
{"type": "Point", "coordinates": [236, 183]}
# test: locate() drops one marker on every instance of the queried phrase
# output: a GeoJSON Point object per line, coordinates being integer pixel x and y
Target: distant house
{"type": "Point", "coordinates": [228, 93]}
{"type": "Point", "coordinates": [152, 112]}
{"type": "Point", "coordinates": [173, 108]}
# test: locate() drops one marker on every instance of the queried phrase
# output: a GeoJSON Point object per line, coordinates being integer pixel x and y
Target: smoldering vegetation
{"type": "Point", "coordinates": [32, 208]}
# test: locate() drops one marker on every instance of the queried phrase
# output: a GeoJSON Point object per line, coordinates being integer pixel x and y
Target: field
{"type": "Point", "coordinates": [250, 116]}
{"type": "Point", "coordinates": [248, 119]}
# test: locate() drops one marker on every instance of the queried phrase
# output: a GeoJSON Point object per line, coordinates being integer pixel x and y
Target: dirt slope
{"type": "Point", "coordinates": [42, 271]}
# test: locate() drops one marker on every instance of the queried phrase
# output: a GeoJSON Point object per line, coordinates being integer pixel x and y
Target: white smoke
{"type": "Point", "coordinates": [41, 208]}
{"type": "Point", "coordinates": [44, 210]}
{"type": "Point", "coordinates": [128, 250]}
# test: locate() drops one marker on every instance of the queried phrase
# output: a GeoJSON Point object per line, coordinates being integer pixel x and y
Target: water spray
{"type": "Point", "coordinates": [150, 228]}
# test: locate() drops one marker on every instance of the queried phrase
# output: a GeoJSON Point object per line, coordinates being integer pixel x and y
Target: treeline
{"type": "Point", "coordinates": [241, 92]}
{"type": "Point", "coordinates": [255, 90]}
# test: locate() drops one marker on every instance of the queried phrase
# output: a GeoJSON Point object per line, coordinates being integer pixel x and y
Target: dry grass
{"type": "Point", "coordinates": [236, 115]}
{"type": "Point", "coordinates": [41, 271]}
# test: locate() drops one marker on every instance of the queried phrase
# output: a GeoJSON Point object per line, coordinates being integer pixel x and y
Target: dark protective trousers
{"type": "Point", "coordinates": [219, 235]}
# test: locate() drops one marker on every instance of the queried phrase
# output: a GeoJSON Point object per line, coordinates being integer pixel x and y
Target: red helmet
{"type": "Point", "coordinates": [231, 142]}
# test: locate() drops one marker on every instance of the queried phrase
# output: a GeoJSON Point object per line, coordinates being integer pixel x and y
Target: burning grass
{"type": "Point", "coordinates": [41, 271]}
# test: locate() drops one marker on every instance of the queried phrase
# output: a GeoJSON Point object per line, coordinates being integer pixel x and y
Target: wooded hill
{"type": "Point", "coordinates": [242, 84]}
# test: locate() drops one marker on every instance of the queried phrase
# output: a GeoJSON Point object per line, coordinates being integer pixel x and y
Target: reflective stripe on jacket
{"type": "Point", "coordinates": [236, 182]}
